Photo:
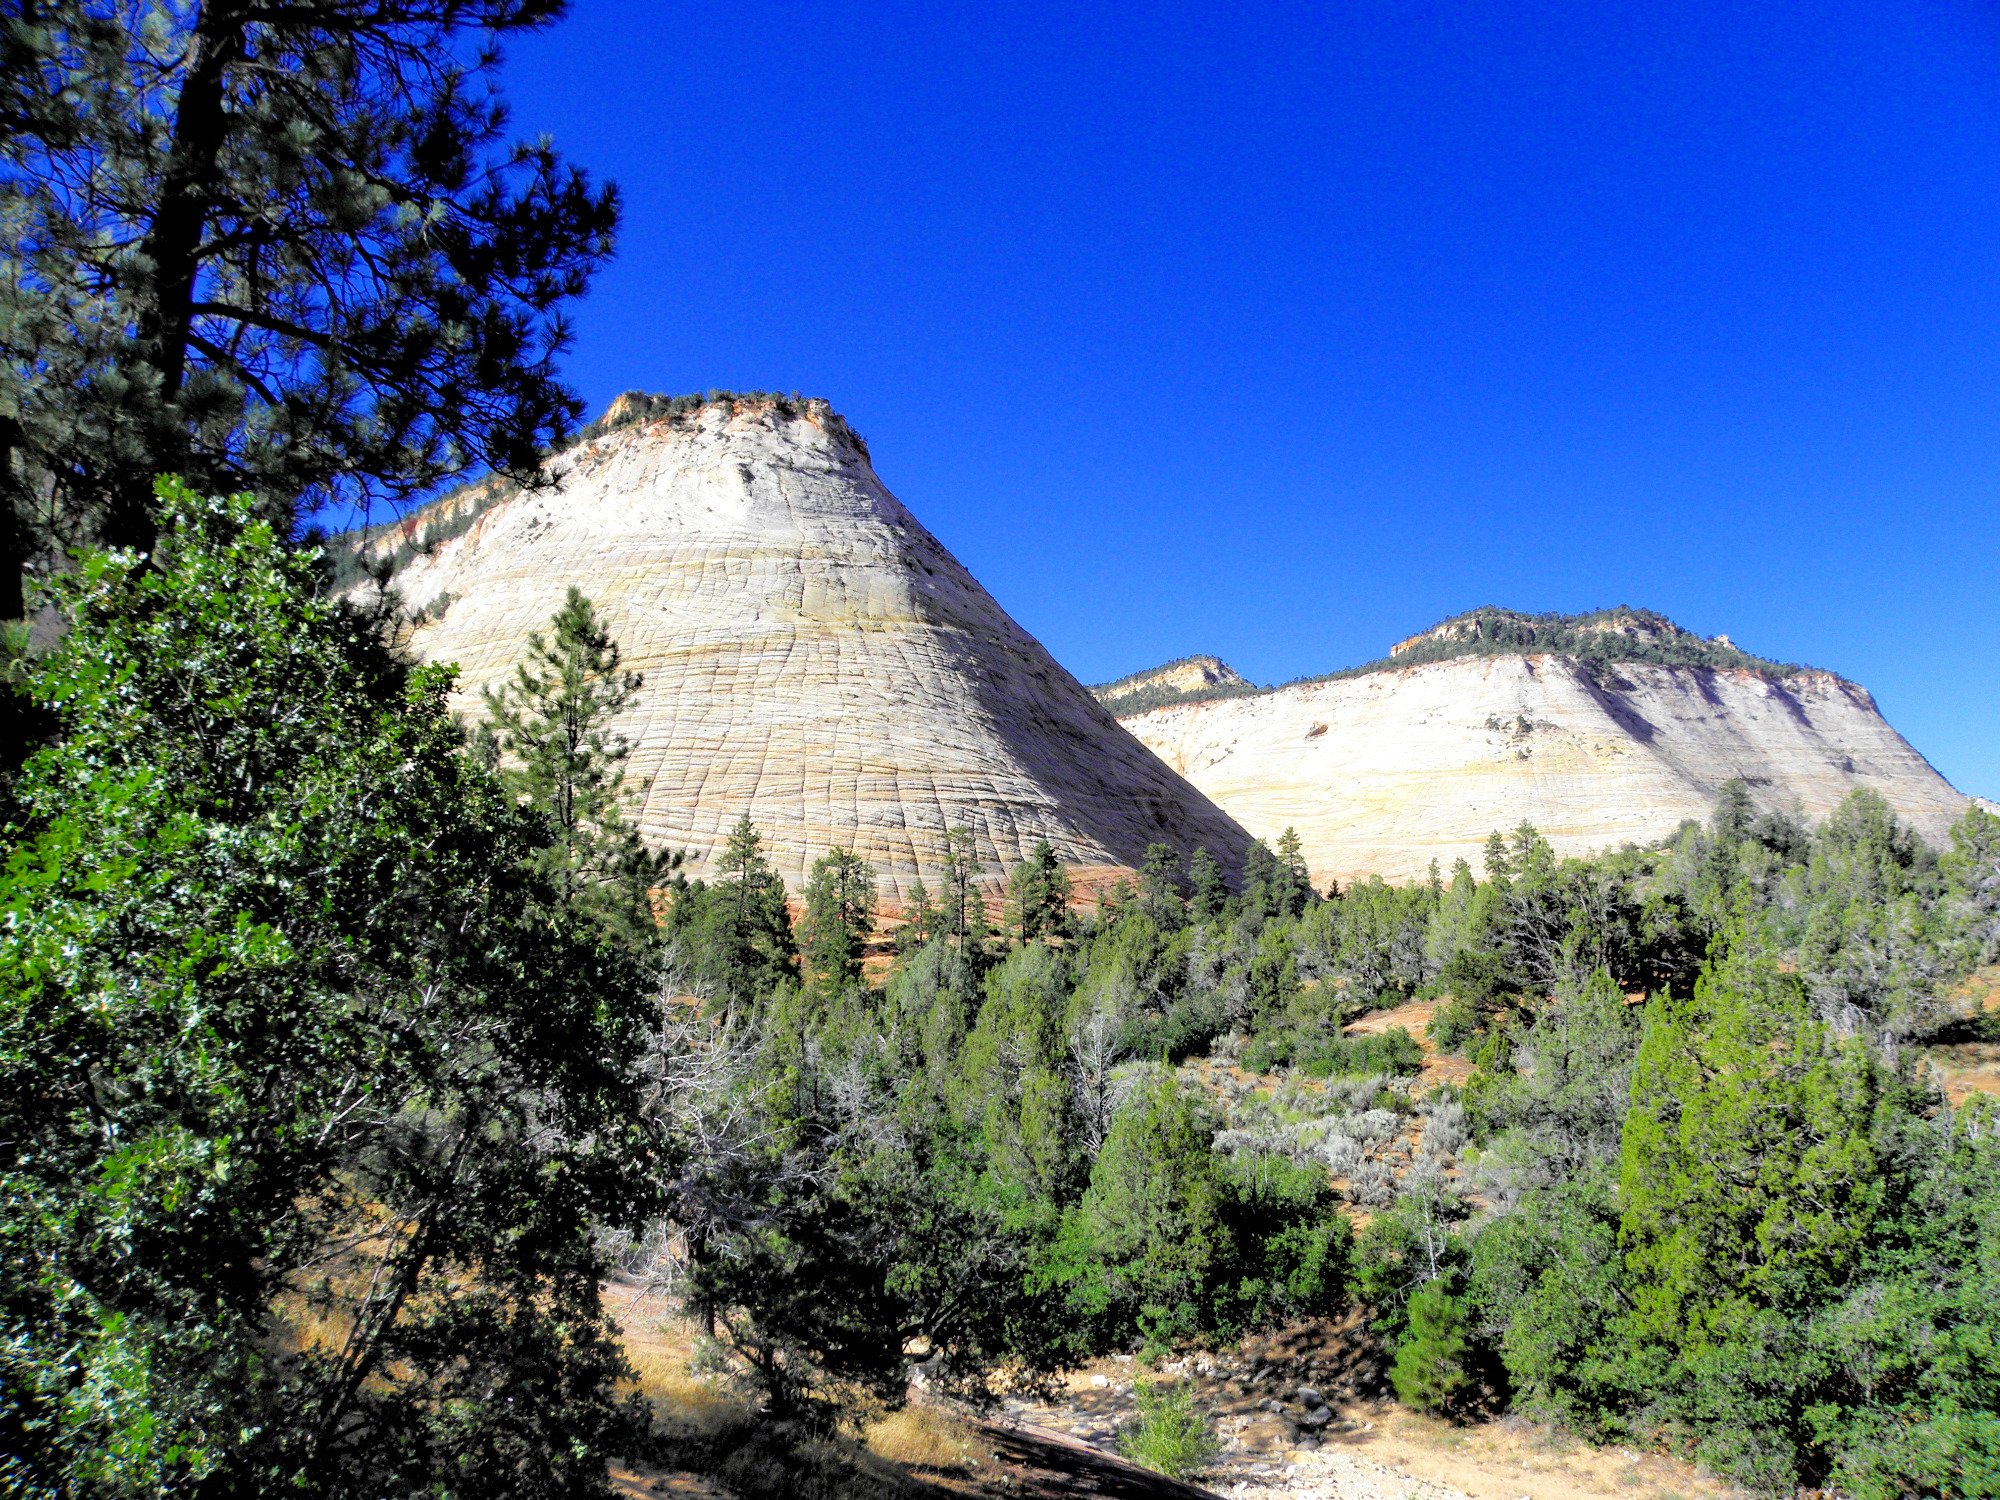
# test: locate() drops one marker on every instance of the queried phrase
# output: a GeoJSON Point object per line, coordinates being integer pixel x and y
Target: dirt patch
{"type": "Point", "coordinates": [1415, 1018]}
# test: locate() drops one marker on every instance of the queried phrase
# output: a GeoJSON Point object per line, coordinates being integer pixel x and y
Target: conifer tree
{"type": "Point", "coordinates": [756, 926]}
{"type": "Point", "coordinates": [962, 905]}
{"type": "Point", "coordinates": [272, 247]}
{"type": "Point", "coordinates": [1038, 896]}
{"type": "Point", "coordinates": [839, 918]}
{"type": "Point", "coordinates": [1971, 869]}
{"type": "Point", "coordinates": [1160, 888]}
{"type": "Point", "coordinates": [922, 920]}
{"type": "Point", "coordinates": [550, 729]}
{"type": "Point", "coordinates": [1259, 876]}
{"type": "Point", "coordinates": [1429, 1371]}
{"type": "Point", "coordinates": [1206, 888]}
{"type": "Point", "coordinates": [1749, 1175]}
{"type": "Point", "coordinates": [1291, 883]}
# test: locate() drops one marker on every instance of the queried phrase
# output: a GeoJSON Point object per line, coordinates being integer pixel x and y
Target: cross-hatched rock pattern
{"type": "Point", "coordinates": [812, 655]}
{"type": "Point", "coordinates": [1383, 772]}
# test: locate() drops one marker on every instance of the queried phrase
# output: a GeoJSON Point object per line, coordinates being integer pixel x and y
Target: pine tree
{"type": "Point", "coordinates": [272, 247]}
{"type": "Point", "coordinates": [922, 920]}
{"type": "Point", "coordinates": [755, 925]}
{"type": "Point", "coordinates": [962, 904]}
{"type": "Point", "coordinates": [1734, 811]}
{"type": "Point", "coordinates": [1038, 896]}
{"type": "Point", "coordinates": [1259, 875]}
{"type": "Point", "coordinates": [1160, 888]}
{"type": "Point", "coordinates": [1206, 887]}
{"type": "Point", "coordinates": [549, 728]}
{"type": "Point", "coordinates": [1429, 1371]}
{"type": "Point", "coordinates": [839, 919]}
{"type": "Point", "coordinates": [1291, 882]}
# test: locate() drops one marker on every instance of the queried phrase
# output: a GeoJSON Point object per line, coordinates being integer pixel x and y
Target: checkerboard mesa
{"type": "Point", "coordinates": [812, 655]}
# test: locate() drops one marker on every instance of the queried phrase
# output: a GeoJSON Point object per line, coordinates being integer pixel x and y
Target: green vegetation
{"type": "Point", "coordinates": [1600, 638]}
{"type": "Point", "coordinates": [345, 1049]}
{"type": "Point", "coordinates": [1169, 1436]}
{"type": "Point", "coordinates": [548, 733]}
{"type": "Point", "coordinates": [285, 249]}
{"type": "Point", "coordinates": [311, 1069]}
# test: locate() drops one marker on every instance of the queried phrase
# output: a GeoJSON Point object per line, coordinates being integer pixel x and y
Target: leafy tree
{"type": "Point", "coordinates": [1405, 1249]}
{"type": "Point", "coordinates": [1570, 1094]}
{"type": "Point", "coordinates": [1547, 1286]}
{"type": "Point", "coordinates": [277, 248]}
{"type": "Point", "coordinates": [840, 918]}
{"type": "Point", "coordinates": [314, 1083]}
{"type": "Point", "coordinates": [549, 729]}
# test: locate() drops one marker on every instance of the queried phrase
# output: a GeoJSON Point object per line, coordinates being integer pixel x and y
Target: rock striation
{"type": "Point", "coordinates": [1385, 770]}
{"type": "Point", "coordinates": [812, 655]}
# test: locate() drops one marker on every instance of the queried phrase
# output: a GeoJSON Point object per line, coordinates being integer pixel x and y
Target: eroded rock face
{"type": "Point", "coordinates": [1384, 772]}
{"type": "Point", "coordinates": [812, 655]}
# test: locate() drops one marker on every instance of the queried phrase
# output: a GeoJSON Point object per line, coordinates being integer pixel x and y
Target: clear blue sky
{"type": "Point", "coordinates": [1284, 331]}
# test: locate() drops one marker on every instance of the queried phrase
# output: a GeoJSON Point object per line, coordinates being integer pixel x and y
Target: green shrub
{"type": "Point", "coordinates": [1169, 1436]}
{"type": "Point", "coordinates": [1394, 1052]}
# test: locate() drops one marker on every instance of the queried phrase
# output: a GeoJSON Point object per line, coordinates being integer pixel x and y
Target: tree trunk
{"type": "Point", "coordinates": [173, 248]}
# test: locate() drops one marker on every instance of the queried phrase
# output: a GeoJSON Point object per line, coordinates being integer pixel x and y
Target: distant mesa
{"type": "Point", "coordinates": [1183, 681]}
{"type": "Point", "coordinates": [812, 655]}
{"type": "Point", "coordinates": [1598, 728]}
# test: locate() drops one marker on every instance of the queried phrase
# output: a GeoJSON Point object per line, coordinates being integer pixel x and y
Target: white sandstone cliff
{"type": "Point", "coordinates": [812, 655]}
{"type": "Point", "coordinates": [1383, 772]}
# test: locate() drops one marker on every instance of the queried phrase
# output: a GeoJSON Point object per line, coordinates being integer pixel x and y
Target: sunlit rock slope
{"type": "Point", "coordinates": [1384, 770]}
{"type": "Point", "coordinates": [812, 655]}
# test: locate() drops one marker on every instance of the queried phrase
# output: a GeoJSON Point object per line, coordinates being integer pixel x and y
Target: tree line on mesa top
{"type": "Point", "coordinates": [1599, 640]}
{"type": "Point", "coordinates": [343, 1052]}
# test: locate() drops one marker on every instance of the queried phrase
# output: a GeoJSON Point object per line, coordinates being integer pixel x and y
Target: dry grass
{"type": "Point", "coordinates": [922, 1437]}
{"type": "Point", "coordinates": [687, 1406]}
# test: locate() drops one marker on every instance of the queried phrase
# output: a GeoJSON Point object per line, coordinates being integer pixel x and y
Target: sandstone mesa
{"type": "Point", "coordinates": [812, 655]}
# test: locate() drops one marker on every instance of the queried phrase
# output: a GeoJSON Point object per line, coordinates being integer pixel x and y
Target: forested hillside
{"type": "Point", "coordinates": [1699, 1183]}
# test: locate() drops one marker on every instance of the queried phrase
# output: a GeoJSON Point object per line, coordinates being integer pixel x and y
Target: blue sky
{"type": "Point", "coordinates": [1285, 331]}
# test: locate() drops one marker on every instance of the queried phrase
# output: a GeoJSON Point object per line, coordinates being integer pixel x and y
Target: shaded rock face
{"type": "Point", "coordinates": [812, 655]}
{"type": "Point", "coordinates": [1384, 772]}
